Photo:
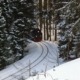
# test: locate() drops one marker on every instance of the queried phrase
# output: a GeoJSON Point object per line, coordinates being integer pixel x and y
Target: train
{"type": "Point", "coordinates": [35, 34]}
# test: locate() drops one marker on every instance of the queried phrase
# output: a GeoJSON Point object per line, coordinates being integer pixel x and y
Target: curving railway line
{"type": "Point", "coordinates": [25, 70]}
{"type": "Point", "coordinates": [52, 57]}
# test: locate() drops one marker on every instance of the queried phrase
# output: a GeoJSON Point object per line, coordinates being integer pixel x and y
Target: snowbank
{"type": "Point", "coordinates": [66, 71]}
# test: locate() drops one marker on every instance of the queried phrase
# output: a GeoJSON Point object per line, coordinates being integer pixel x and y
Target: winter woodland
{"type": "Point", "coordinates": [38, 35]}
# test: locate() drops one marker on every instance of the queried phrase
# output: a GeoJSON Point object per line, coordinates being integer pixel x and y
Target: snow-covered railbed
{"type": "Point", "coordinates": [66, 71]}
{"type": "Point", "coordinates": [36, 61]}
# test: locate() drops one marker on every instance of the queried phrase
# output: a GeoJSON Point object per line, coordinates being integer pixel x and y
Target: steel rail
{"type": "Point", "coordinates": [25, 66]}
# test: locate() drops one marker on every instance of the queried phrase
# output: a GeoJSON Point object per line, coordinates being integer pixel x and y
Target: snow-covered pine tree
{"type": "Point", "coordinates": [76, 39]}
{"type": "Point", "coordinates": [25, 21]}
{"type": "Point", "coordinates": [76, 48]}
{"type": "Point", "coordinates": [67, 17]}
{"type": "Point", "coordinates": [19, 17]}
{"type": "Point", "coordinates": [2, 41]}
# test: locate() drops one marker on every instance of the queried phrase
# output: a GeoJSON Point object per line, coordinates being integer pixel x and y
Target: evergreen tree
{"type": "Point", "coordinates": [17, 17]}
{"type": "Point", "coordinates": [67, 17]}
{"type": "Point", "coordinates": [76, 39]}
{"type": "Point", "coordinates": [2, 41]}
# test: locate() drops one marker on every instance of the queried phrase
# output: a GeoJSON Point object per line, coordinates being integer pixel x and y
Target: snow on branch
{"type": "Point", "coordinates": [64, 6]}
{"type": "Point", "coordinates": [78, 6]}
{"type": "Point", "coordinates": [78, 21]}
{"type": "Point", "coordinates": [62, 3]}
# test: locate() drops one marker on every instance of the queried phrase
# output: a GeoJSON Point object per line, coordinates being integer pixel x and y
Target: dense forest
{"type": "Point", "coordinates": [68, 22]}
{"type": "Point", "coordinates": [17, 17]}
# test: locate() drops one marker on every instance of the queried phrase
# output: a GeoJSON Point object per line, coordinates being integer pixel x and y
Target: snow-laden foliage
{"type": "Point", "coordinates": [2, 40]}
{"type": "Point", "coordinates": [65, 20]}
{"type": "Point", "coordinates": [76, 38]}
{"type": "Point", "coordinates": [16, 17]}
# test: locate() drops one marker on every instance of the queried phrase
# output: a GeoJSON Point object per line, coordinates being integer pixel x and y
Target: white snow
{"type": "Point", "coordinates": [66, 71]}
{"type": "Point", "coordinates": [42, 56]}
{"type": "Point", "coordinates": [39, 64]}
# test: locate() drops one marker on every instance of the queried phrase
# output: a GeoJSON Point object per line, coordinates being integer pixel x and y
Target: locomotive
{"type": "Point", "coordinates": [35, 34]}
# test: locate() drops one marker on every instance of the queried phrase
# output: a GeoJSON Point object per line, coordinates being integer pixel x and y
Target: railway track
{"type": "Point", "coordinates": [7, 78]}
{"type": "Point", "coordinates": [16, 75]}
{"type": "Point", "coordinates": [46, 53]}
{"type": "Point", "coordinates": [52, 57]}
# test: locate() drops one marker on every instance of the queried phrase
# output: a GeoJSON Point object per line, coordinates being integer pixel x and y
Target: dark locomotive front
{"type": "Point", "coordinates": [35, 34]}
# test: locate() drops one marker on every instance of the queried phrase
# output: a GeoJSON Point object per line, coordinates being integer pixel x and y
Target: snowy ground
{"type": "Point", "coordinates": [39, 64]}
{"type": "Point", "coordinates": [66, 71]}
{"type": "Point", "coordinates": [41, 57]}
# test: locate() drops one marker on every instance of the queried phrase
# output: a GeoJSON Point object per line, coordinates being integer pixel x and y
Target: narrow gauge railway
{"type": "Point", "coordinates": [46, 53]}
{"type": "Point", "coordinates": [16, 75]}
{"type": "Point", "coordinates": [52, 57]}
